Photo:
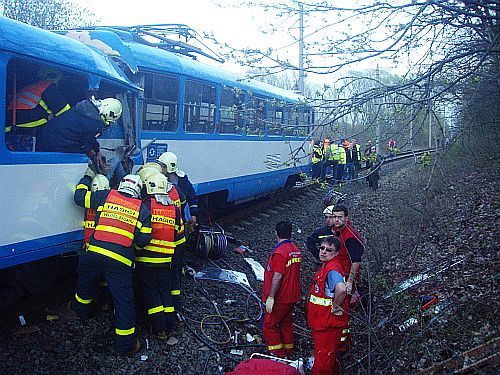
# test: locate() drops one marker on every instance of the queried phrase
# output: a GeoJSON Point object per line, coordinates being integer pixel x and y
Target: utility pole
{"type": "Point", "coordinates": [429, 113]}
{"type": "Point", "coordinates": [379, 125]}
{"type": "Point", "coordinates": [300, 83]}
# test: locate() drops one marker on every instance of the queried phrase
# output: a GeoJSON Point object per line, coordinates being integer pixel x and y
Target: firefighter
{"type": "Point", "coordinates": [281, 291]}
{"type": "Point", "coordinates": [154, 261]}
{"type": "Point", "coordinates": [358, 157]}
{"type": "Point", "coordinates": [327, 310]}
{"type": "Point", "coordinates": [36, 104]}
{"type": "Point", "coordinates": [76, 130]}
{"type": "Point", "coordinates": [121, 220]}
{"type": "Point", "coordinates": [337, 224]}
{"type": "Point", "coordinates": [327, 158]}
{"type": "Point", "coordinates": [168, 161]}
{"type": "Point", "coordinates": [317, 160]}
{"type": "Point", "coordinates": [342, 162]}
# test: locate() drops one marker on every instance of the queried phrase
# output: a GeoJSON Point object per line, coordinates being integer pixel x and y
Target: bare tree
{"type": "Point", "coordinates": [48, 14]}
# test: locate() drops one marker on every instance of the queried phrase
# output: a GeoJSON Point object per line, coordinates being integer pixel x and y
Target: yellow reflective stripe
{"type": "Point", "coordinates": [115, 230]}
{"type": "Point", "coordinates": [175, 292]}
{"type": "Point", "coordinates": [320, 301]}
{"type": "Point", "coordinates": [8, 129]}
{"type": "Point", "coordinates": [162, 242]}
{"type": "Point", "coordinates": [110, 254]}
{"type": "Point", "coordinates": [103, 283]}
{"type": "Point", "coordinates": [326, 236]}
{"type": "Point", "coordinates": [275, 347]}
{"type": "Point", "coordinates": [153, 260]}
{"type": "Point", "coordinates": [116, 216]}
{"type": "Point", "coordinates": [32, 124]}
{"type": "Point", "coordinates": [169, 309]}
{"type": "Point", "coordinates": [124, 332]}
{"type": "Point", "coordinates": [44, 106]}
{"type": "Point", "coordinates": [65, 108]}
{"type": "Point", "coordinates": [121, 209]}
{"type": "Point", "coordinates": [155, 310]}
{"type": "Point", "coordinates": [87, 199]}
{"type": "Point", "coordinates": [100, 208]}
{"type": "Point", "coordinates": [182, 240]}
{"type": "Point", "coordinates": [82, 186]}
{"type": "Point", "coordinates": [81, 300]}
{"type": "Point", "coordinates": [292, 261]}
{"type": "Point", "coordinates": [345, 330]}
{"type": "Point", "coordinates": [160, 249]}
{"type": "Point", "coordinates": [89, 224]}
{"type": "Point", "coordinates": [288, 346]}
{"type": "Point", "coordinates": [343, 339]}
{"type": "Point", "coordinates": [146, 230]}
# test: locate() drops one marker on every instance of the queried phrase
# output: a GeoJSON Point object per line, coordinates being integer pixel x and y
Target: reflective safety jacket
{"type": "Point", "coordinates": [319, 305]}
{"type": "Point", "coordinates": [291, 257]}
{"type": "Point", "coordinates": [343, 156]}
{"type": "Point", "coordinates": [120, 221]}
{"type": "Point", "coordinates": [335, 152]}
{"type": "Point", "coordinates": [317, 154]}
{"type": "Point", "coordinates": [357, 148]}
{"type": "Point", "coordinates": [166, 235]}
{"type": "Point", "coordinates": [34, 103]}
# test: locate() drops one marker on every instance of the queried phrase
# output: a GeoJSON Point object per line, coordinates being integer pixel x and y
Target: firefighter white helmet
{"type": "Point", "coordinates": [328, 210]}
{"type": "Point", "coordinates": [169, 160]}
{"type": "Point", "coordinates": [147, 171]}
{"type": "Point", "coordinates": [131, 184]}
{"type": "Point", "coordinates": [110, 109]}
{"type": "Point", "coordinates": [156, 184]}
{"type": "Point", "coordinates": [99, 182]}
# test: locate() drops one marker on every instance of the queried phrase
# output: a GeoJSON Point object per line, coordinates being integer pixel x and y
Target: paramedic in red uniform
{"type": "Point", "coordinates": [281, 291]}
{"type": "Point", "coordinates": [327, 310]}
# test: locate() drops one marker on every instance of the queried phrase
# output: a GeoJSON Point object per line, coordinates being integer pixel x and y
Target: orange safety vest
{"type": "Point", "coordinates": [88, 224]}
{"type": "Point", "coordinates": [30, 96]}
{"type": "Point", "coordinates": [173, 194]}
{"type": "Point", "coordinates": [319, 304]}
{"type": "Point", "coordinates": [118, 219]}
{"type": "Point", "coordinates": [163, 228]}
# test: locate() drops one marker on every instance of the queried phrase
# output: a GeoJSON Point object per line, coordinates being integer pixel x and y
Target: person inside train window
{"type": "Point", "coordinates": [77, 130]}
{"type": "Point", "coordinates": [33, 106]}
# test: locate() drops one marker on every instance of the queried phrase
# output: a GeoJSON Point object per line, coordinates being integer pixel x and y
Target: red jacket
{"type": "Point", "coordinates": [285, 259]}
{"type": "Point", "coordinates": [346, 232]}
{"type": "Point", "coordinates": [319, 305]}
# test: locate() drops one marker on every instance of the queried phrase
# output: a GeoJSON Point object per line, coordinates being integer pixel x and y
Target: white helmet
{"type": "Point", "coordinates": [328, 210]}
{"type": "Point", "coordinates": [156, 184]}
{"type": "Point", "coordinates": [149, 169]}
{"type": "Point", "coordinates": [99, 182]}
{"type": "Point", "coordinates": [110, 109]}
{"type": "Point", "coordinates": [169, 160]}
{"type": "Point", "coordinates": [131, 184]}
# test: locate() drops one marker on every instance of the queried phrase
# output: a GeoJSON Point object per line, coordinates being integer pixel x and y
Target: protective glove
{"type": "Point", "coordinates": [269, 304]}
{"type": "Point", "coordinates": [348, 286]}
{"type": "Point", "coordinates": [89, 172]}
{"type": "Point", "coordinates": [336, 310]}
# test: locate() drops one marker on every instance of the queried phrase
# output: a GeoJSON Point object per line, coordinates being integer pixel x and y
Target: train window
{"type": "Point", "coordinates": [275, 118]}
{"type": "Point", "coordinates": [296, 120]}
{"type": "Point", "coordinates": [256, 113]}
{"type": "Point", "coordinates": [57, 92]}
{"type": "Point", "coordinates": [199, 107]}
{"type": "Point", "coordinates": [231, 111]}
{"type": "Point", "coordinates": [161, 101]}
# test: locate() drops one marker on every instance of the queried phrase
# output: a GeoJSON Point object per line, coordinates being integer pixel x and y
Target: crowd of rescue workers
{"type": "Point", "coordinates": [136, 227]}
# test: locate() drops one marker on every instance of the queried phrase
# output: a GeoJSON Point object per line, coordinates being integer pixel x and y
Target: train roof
{"type": "Point", "coordinates": [157, 59]}
{"type": "Point", "coordinates": [43, 45]}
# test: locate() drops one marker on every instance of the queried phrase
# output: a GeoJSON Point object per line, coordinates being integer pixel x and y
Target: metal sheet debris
{"type": "Point", "coordinates": [236, 352]}
{"type": "Point", "coordinates": [257, 268]}
{"type": "Point", "coordinates": [221, 274]}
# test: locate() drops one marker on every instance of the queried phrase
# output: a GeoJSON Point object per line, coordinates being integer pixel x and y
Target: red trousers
{"type": "Point", "coordinates": [277, 329]}
{"type": "Point", "coordinates": [326, 348]}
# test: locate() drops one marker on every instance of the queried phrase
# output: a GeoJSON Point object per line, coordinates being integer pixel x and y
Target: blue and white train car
{"type": "Point", "coordinates": [236, 138]}
{"type": "Point", "coordinates": [38, 216]}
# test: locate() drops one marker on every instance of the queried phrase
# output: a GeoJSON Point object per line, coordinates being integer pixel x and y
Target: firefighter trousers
{"type": "Point", "coordinates": [91, 268]}
{"type": "Point", "coordinates": [154, 284]}
{"type": "Point", "coordinates": [177, 261]}
{"type": "Point", "coordinates": [277, 329]}
{"type": "Point", "coordinates": [326, 349]}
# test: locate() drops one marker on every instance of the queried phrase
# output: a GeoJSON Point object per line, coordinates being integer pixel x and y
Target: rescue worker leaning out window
{"type": "Point", "coordinates": [122, 220]}
{"type": "Point", "coordinates": [77, 130]}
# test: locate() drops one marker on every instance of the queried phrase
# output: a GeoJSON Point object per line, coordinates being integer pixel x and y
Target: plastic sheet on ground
{"type": "Point", "coordinates": [223, 275]}
{"type": "Point", "coordinates": [257, 268]}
